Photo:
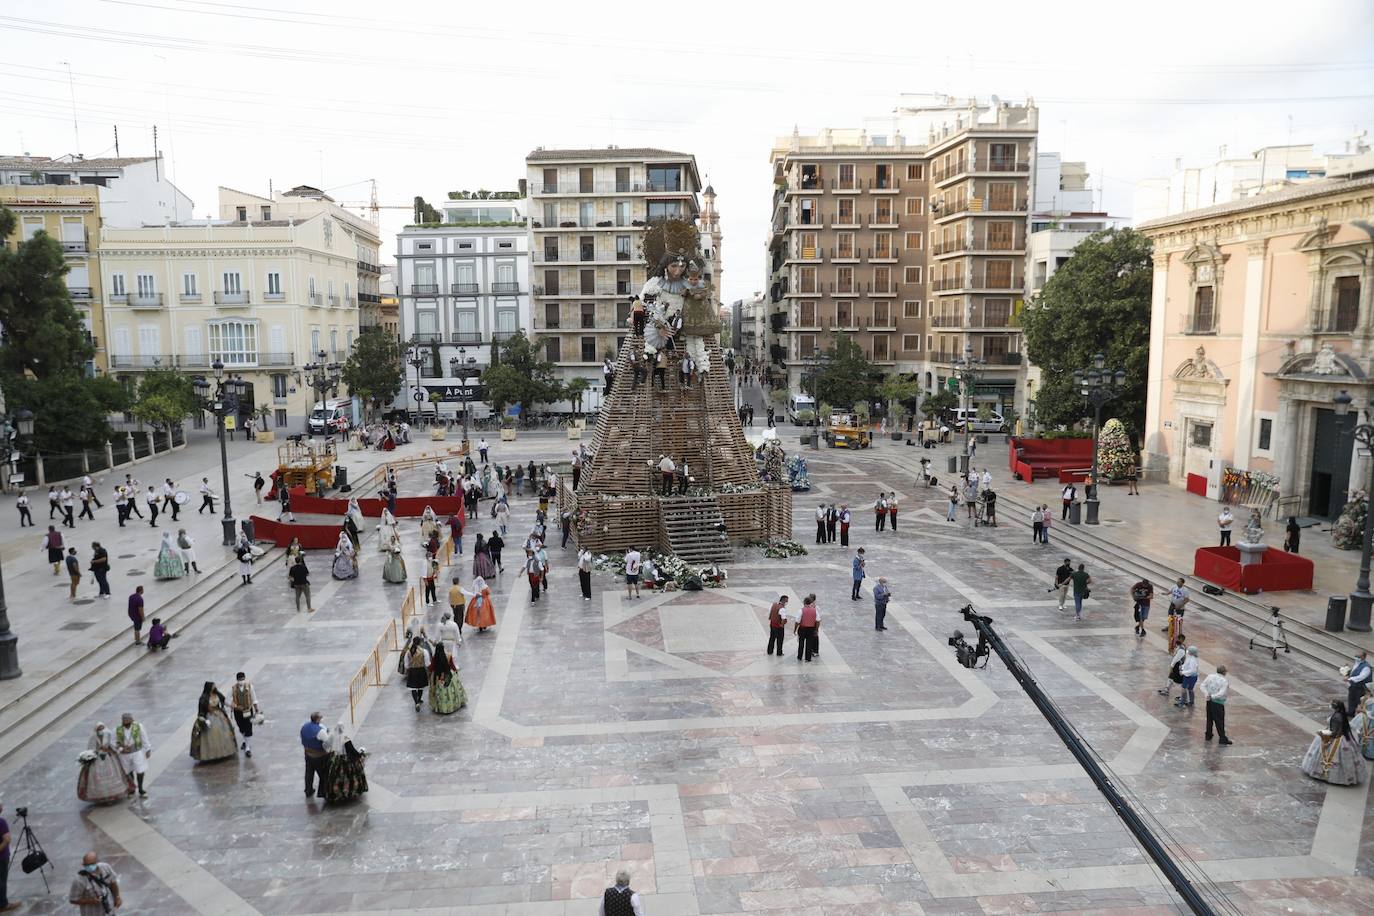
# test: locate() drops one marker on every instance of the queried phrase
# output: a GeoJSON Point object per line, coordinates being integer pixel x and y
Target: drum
{"type": "Point", "coordinates": [181, 498]}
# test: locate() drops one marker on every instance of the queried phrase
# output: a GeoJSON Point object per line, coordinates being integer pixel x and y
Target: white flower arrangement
{"type": "Point", "coordinates": [86, 757]}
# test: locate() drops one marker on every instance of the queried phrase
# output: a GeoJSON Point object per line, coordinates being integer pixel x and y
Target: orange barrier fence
{"type": "Point", "coordinates": [370, 674]}
{"type": "Point", "coordinates": [407, 609]}
{"type": "Point", "coordinates": [406, 464]}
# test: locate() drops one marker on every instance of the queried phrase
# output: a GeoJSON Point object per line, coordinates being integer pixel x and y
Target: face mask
{"type": "Point", "coordinates": [89, 868]}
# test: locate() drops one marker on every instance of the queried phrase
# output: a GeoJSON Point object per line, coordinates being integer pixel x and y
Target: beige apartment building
{"type": "Point", "coordinates": [262, 296]}
{"type": "Point", "coordinates": [909, 235]}
{"type": "Point", "coordinates": [588, 212]}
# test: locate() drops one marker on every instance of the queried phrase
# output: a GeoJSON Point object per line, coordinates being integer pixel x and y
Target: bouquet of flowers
{"type": "Point", "coordinates": [1348, 532]}
{"type": "Point", "coordinates": [1113, 450]}
{"type": "Point", "coordinates": [781, 550]}
{"type": "Point", "coordinates": [85, 757]}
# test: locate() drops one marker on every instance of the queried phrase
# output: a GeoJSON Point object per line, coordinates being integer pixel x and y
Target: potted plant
{"type": "Point", "coordinates": [984, 416]}
{"type": "Point", "coordinates": [263, 432]}
{"type": "Point", "coordinates": [805, 417]}
{"type": "Point", "coordinates": [898, 419]}
{"type": "Point", "coordinates": [438, 431]}
{"type": "Point", "coordinates": [507, 428]}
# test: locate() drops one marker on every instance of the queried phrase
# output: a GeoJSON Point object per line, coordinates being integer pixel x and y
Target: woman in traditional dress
{"type": "Point", "coordinates": [168, 565]}
{"type": "Point", "coordinates": [345, 558]}
{"type": "Point", "coordinates": [394, 569]}
{"type": "Point", "coordinates": [1332, 756]}
{"type": "Point", "coordinates": [417, 658]}
{"type": "Point", "coordinates": [212, 735]}
{"type": "Point", "coordinates": [345, 778]}
{"type": "Point", "coordinates": [102, 780]}
{"type": "Point", "coordinates": [1362, 729]}
{"type": "Point", "coordinates": [355, 514]}
{"type": "Point", "coordinates": [385, 529]}
{"type": "Point", "coordinates": [482, 564]}
{"type": "Point", "coordinates": [294, 550]}
{"type": "Point", "coordinates": [481, 612]}
{"type": "Point", "coordinates": [429, 523]}
{"type": "Point", "coordinates": [502, 514]}
{"type": "Point", "coordinates": [446, 693]}
{"type": "Point", "coordinates": [244, 551]}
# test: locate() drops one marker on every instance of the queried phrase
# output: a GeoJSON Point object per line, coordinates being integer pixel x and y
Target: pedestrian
{"type": "Point", "coordinates": [1175, 667]}
{"type": "Point", "coordinates": [136, 614]}
{"type": "Point", "coordinates": [207, 496]}
{"type": "Point", "coordinates": [777, 625]}
{"type": "Point", "coordinates": [86, 505]}
{"type": "Point", "coordinates": [456, 602]}
{"type": "Point", "coordinates": [133, 486]}
{"type": "Point", "coordinates": [1037, 524]}
{"type": "Point", "coordinates": [134, 747]}
{"type": "Point", "coordinates": [54, 502]}
{"type": "Point", "coordinates": [313, 737]}
{"type": "Point", "coordinates": [100, 568]}
{"type": "Point", "coordinates": [770, 417]}
{"type": "Point", "coordinates": [1067, 496]}
{"type": "Point", "coordinates": [1224, 522]}
{"type": "Point", "coordinates": [1141, 595]}
{"type": "Point", "coordinates": [168, 492]}
{"type": "Point", "coordinates": [990, 506]}
{"type": "Point", "coordinates": [95, 889]}
{"type": "Point", "coordinates": [244, 551]}
{"type": "Point", "coordinates": [481, 612]}
{"type": "Point", "coordinates": [284, 498]}
{"type": "Point", "coordinates": [1292, 536]}
{"type": "Point", "coordinates": [1049, 518]}
{"type": "Point", "coordinates": [857, 573]}
{"type": "Point", "coordinates": [1081, 581]}
{"type": "Point", "coordinates": [845, 519]}
{"type": "Point", "coordinates": [258, 484]}
{"type": "Point", "coordinates": [1214, 691]}
{"type": "Point", "coordinates": [73, 572]}
{"type": "Point", "coordinates": [6, 844]}
{"type": "Point", "coordinates": [187, 545]}
{"type": "Point", "coordinates": [820, 524]}
{"type": "Point", "coordinates": [150, 497]}
{"type": "Point", "coordinates": [584, 572]}
{"type": "Point", "coordinates": [666, 470]}
{"type": "Point", "coordinates": [243, 700]}
{"type": "Point", "coordinates": [299, 577]}
{"type": "Point", "coordinates": [807, 628]}
{"type": "Point", "coordinates": [482, 449]}
{"type": "Point", "coordinates": [832, 520]}
{"type": "Point", "coordinates": [1132, 480]}
{"type": "Point", "coordinates": [495, 544]}
{"type": "Point", "coordinates": [1357, 683]}
{"type": "Point", "coordinates": [1178, 601]}
{"type": "Point", "coordinates": [880, 512]}
{"type": "Point", "coordinates": [1063, 578]}
{"type": "Point", "coordinates": [52, 542]}
{"type": "Point", "coordinates": [953, 502]}
{"type": "Point", "coordinates": [971, 496]}
{"type": "Point", "coordinates": [450, 634]}
{"type": "Point", "coordinates": [881, 594]}
{"type": "Point", "coordinates": [621, 900]}
{"type": "Point", "coordinates": [431, 596]}
{"type": "Point", "coordinates": [535, 574]}
{"type": "Point", "coordinates": [121, 502]}
{"type": "Point", "coordinates": [892, 510]}
{"type": "Point", "coordinates": [1188, 672]}
{"type": "Point", "coordinates": [633, 564]}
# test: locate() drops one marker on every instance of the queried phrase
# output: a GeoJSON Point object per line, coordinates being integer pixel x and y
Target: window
{"type": "Point", "coordinates": [622, 178]}
{"type": "Point", "coordinates": [334, 342]}
{"type": "Point", "coordinates": [314, 341]}
{"type": "Point", "coordinates": [194, 349]}
{"type": "Point", "coordinates": [844, 280]}
{"type": "Point", "coordinates": [550, 214]}
{"type": "Point", "coordinates": [622, 282]}
{"type": "Point", "coordinates": [622, 314]}
{"type": "Point", "coordinates": [1001, 195]}
{"type": "Point", "coordinates": [274, 285]}
{"type": "Point", "coordinates": [1345, 310]}
{"type": "Point", "coordinates": [882, 280]}
{"type": "Point", "coordinates": [911, 275]}
{"type": "Point", "coordinates": [32, 226]}
{"type": "Point", "coordinates": [806, 245]}
{"type": "Point", "coordinates": [1001, 157]}
{"type": "Point", "coordinates": [586, 213]}
{"type": "Point", "coordinates": [847, 176]}
{"type": "Point", "coordinates": [501, 244]}
{"type": "Point", "coordinates": [279, 387]}
{"type": "Point", "coordinates": [425, 246]}
{"type": "Point", "coordinates": [1264, 436]}
{"type": "Point", "coordinates": [843, 312]}
{"type": "Point", "coordinates": [915, 172]}
{"type": "Point", "coordinates": [241, 214]}
{"type": "Point", "coordinates": [915, 206]}
{"type": "Point", "coordinates": [505, 321]}
{"type": "Point", "coordinates": [882, 245]}
{"type": "Point", "coordinates": [810, 176]}
{"type": "Point", "coordinates": [587, 282]}
{"type": "Point", "coordinates": [911, 308]}
{"type": "Point", "coordinates": [998, 274]}
{"type": "Point", "coordinates": [1000, 236]}
{"type": "Point", "coordinates": [266, 212]}
{"type": "Point", "coordinates": [882, 210]}
{"type": "Point", "coordinates": [350, 341]}
{"type": "Point", "coordinates": [912, 241]}
{"type": "Point", "coordinates": [589, 350]}
{"type": "Point", "coordinates": [845, 213]}
{"type": "Point", "coordinates": [882, 314]}
{"type": "Point", "coordinates": [146, 287]}
{"type": "Point", "coordinates": [808, 314]}
{"type": "Point", "coordinates": [584, 180]}
{"type": "Point", "coordinates": [426, 326]}
{"type": "Point", "coordinates": [665, 177]}
{"type": "Point", "coordinates": [930, 345]}
{"type": "Point", "coordinates": [279, 416]}
{"type": "Point", "coordinates": [807, 211]}
{"type": "Point", "coordinates": [551, 314]}
{"type": "Point", "coordinates": [911, 343]}
{"type": "Point", "coordinates": [806, 279]}
{"type": "Point", "coordinates": [622, 248]}
{"type": "Point", "coordinates": [551, 282]}
{"type": "Point", "coordinates": [1200, 434]}
{"type": "Point", "coordinates": [622, 212]}
{"type": "Point", "coordinates": [995, 349]}
{"type": "Point", "coordinates": [465, 320]}
{"type": "Point", "coordinates": [1204, 312]}
{"type": "Point", "coordinates": [586, 248]}
{"type": "Point", "coordinates": [588, 314]}
{"type": "Point", "coordinates": [550, 181]}
{"type": "Point", "coordinates": [464, 245]}
{"type": "Point", "coordinates": [880, 347]}
{"type": "Point", "coordinates": [234, 343]}
{"type": "Point", "coordinates": [806, 344]}
{"type": "Point", "coordinates": [550, 248]}
{"type": "Point", "coordinates": [844, 245]}
{"type": "Point", "coordinates": [996, 313]}
{"type": "Point", "coordinates": [664, 209]}
{"type": "Point", "coordinates": [553, 350]}
{"type": "Point", "coordinates": [189, 289]}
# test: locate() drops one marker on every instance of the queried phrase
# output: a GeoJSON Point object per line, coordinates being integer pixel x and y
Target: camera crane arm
{"type": "Point", "coordinates": [1105, 784]}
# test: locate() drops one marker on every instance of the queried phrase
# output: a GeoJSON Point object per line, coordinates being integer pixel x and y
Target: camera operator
{"type": "Point", "coordinates": [6, 844]}
{"type": "Point", "coordinates": [95, 889]}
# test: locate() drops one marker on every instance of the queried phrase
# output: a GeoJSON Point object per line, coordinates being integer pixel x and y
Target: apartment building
{"type": "Point", "coordinates": [133, 190]}
{"type": "Point", "coordinates": [909, 235]}
{"type": "Point", "coordinates": [264, 297]}
{"type": "Point", "coordinates": [303, 202]}
{"type": "Point", "coordinates": [589, 209]}
{"type": "Point", "coordinates": [463, 285]}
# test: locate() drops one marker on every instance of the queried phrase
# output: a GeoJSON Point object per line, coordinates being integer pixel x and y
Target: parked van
{"type": "Point", "coordinates": [324, 419]}
{"type": "Point", "coordinates": [797, 403]}
{"type": "Point", "coordinates": [961, 418]}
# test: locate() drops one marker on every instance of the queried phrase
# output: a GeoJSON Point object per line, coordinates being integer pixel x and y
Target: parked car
{"type": "Point", "coordinates": [960, 419]}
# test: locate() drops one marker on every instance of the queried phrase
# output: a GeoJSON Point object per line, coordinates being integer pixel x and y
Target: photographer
{"type": "Point", "coordinates": [95, 889]}
{"type": "Point", "coordinates": [6, 844]}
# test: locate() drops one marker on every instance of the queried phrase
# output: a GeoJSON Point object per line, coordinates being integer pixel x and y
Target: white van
{"type": "Point", "coordinates": [969, 418]}
{"type": "Point", "coordinates": [797, 403]}
{"type": "Point", "coordinates": [324, 419]}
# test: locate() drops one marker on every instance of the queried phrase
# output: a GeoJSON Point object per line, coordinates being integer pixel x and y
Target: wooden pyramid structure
{"type": "Point", "coordinates": [617, 504]}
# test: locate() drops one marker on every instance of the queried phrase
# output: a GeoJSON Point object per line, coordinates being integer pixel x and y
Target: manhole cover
{"type": "Point", "coordinates": [79, 624]}
{"type": "Point", "coordinates": [134, 572]}
{"type": "Point", "coordinates": [127, 556]}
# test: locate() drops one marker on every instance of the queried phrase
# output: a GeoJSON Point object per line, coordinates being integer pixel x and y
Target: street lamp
{"type": "Point", "coordinates": [322, 377]}
{"type": "Point", "coordinates": [463, 367]}
{"type": "Point", "coordinates": [1098, 386]}
{"type": "Point", "coordinates": [417, 355]}
{"type": "Point", "coordinates": [970, 372]}
{"type": "Point", "coordinates": [1361, 599]}
{"type": "Point", "coordinates": [222, 400]}
{"type": "Point", "coordinates": [18, 428]}
{"type": "Point", "coordinates": [818, 362]}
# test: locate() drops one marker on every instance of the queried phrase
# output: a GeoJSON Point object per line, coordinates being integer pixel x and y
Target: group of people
{"type": "Point", "coordinates": [829, 519]}
{"type": "Point", "coordinates": [1338, 752]}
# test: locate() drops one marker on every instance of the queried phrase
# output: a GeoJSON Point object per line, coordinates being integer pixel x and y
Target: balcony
{"type": "Point", "coordinates": [367, 267]}
{"type": "Point", "coordinates": [498, 336]}
{"type": "Point", "coordinates": [1200, 322]}
{"type": "Point", "coordinates": [505, 289]}
{"type": "Point", "coordinates": [844, 254]}
{"type": "Point", "coordinates": [274, 296]}
{"type": "Point", "coordinates": [80, 246]}
{"type": "Point", "coordinates": [334, 300]}
{"type": "Point", "coordinates": [423, 289]}
{"type": "Point", "coordinates": [369, 298]}
{"type": "Point", "coordinates": [236, 297]}
{"type": "Point", "coordinates": [548, 257]}
{"type": "Point", "coordinates": [194, 361]}
{"type": "Point", "coordinates": [190, 298]}
{"type": "Point", "coordinates": [314, 299]}
{"type": "Point", "coordinates": [599, 187]}
{"type": "Point", "coordinates": [276, 359]}
{"type": "Point", "coordinates": [427, 337]}
{"type": "Point", "coordinates": [350, 302]}
{"type": "Point", "coordinates": [980, 283]}
{"type": "Point", "coordinates": [465, 337]}
{"type": "Point", "coordinates": [946, 321]}
{"type": "Point", "coordinates": [79, 293]}
{"type": "Point", "coordinates": [145, 301]}
{"type": "Point", "coordinates": [1002, 359]}
{"type": "Point", "coordinates": [463, 289]}
{"type": "Point", "coordinates": [119, 298]}
{"type": "Point", "coordinates": [984, 164]}
{"type": "Point", "coordinates": [943, 210]}
{"type": "Point", "coordinates": [124, 361]}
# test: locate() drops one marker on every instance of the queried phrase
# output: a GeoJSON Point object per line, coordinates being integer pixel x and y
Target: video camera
{"type": "Point", "coordinates": [969, 656]}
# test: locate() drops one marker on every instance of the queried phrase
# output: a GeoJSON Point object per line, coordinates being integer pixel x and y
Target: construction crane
{"type": "Point", "coordinates": [371, 205]}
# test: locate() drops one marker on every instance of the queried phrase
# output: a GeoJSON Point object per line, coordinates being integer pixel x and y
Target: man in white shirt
{"type": "Point", "coordinates": [973, 480]}
{"type": "Point", "coordinates": [1214, 689]}
{"type": "Point", "coordinates": [207, 497]}
{"type": "Point", "coordinates": [89, 485]}
{"type": "Point", "coordinates": [987, 478]}
{"type": "Point", "coordinates": [1358, 683]}
{"type": "Point", "coordinates": [666, 469]}
{"type": "Point", "coordinates": [584, 572]}
{"type": "Point", "coordinates": [1224, 522]}
{"type": "Point", "coordinates": [482, 449]}
{"type": "Point", "coordinates": [633, 562]}
{"type": "Point", "coordinates": [820, 524]}
{"type": "Point", "coordinates": [449, 635]}
{"type": "Point", "coordinates": [621, 900]}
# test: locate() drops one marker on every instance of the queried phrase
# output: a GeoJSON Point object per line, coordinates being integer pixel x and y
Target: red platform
{"type": "Point", "coordinates": [313, 537]}
{"type": "Point", "coordinates": [1279, 571]}
{"type": "Point", "coordinates": [406, 506]}
{"type": "Point", "coordinates": [1040, 458]}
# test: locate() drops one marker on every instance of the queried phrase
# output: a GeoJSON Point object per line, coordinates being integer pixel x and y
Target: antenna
{"type": "Point", "coordinates": [116, 132]}
{"type": "Point", "coordinates": [373, 206]}
{"type": "Point", "coordinates": [71, 84]}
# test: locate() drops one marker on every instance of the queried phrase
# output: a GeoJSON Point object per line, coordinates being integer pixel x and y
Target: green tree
{"type": "Point", "coordinates": [519, 374]}
{"type": "Point", "coordinates": [165, 398]}
{"type": "Point", "coordinates": [43, 332]}
{"type": "Point", "coordinates": [1098, 302]}
{"type": "Point", "coordinates": [71, 412]}
{"type": "Point", "coordinates": [899, 393]}
{"type": "Point", "coordinates": [374, 370]}
{"type": "Point", "coordinates": [846, 377]}
{"type": "Point", "coordinates": [938, 401]}
{"type": "Point", "coordinates": [574, 391]}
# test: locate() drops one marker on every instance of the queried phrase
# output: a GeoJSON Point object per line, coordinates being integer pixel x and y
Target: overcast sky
{"type": "Point", "coordinates": [431, 97]}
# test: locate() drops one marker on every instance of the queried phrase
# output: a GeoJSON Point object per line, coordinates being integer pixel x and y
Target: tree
{"type": "Point", "coordinates": [165, 398]}
{"type": "Point", "coordinates": [374, 370]}
{"type": "Point", "coordinates": [1097, 302]}
{"type": "Point", "coordinates": [519, 374]}
{"type": "Point", "coordinates": [43, 332]}
{"type": "Point", "coordinates": [71, 412]}
{"type": "Point", "coordinates": [937, 402]}
{"type": "Point", "coordinates": [574, 391]}
{"type": "Point", "coordinates": [846, 376]}
{"type": "Point", "coordinates": [898, 392]}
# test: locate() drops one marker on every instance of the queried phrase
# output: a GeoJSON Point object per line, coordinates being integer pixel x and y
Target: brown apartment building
{"type": "Point", "coordinates": [917, 250]}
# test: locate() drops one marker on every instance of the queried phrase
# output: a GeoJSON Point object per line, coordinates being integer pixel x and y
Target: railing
{"type": "Point", "coordinates": [274, 296]}
{"type": "Point", "coordinates": [1005, 359]}
{"type": "Point", "coordinates": [841, 254]}
{"type": "Point", "coordinates": [224, 297]}
{"type": "Point", "coordinates": [505, 288]}
{"type": "Point", "coordinates": [334, 300]}
{"type": "Point", "coordinates": [983, 164]}
{"type": "Point", "coordinates": [189, 297]}
{"type": "Point", "coordinates": [276, 359]}
{"type": "Point", "coordinates": [314, 298]}
{"type": "Point", "coordinates": [119, 297]}
{"type": "Point", "coordinates": [146, 300]}
{"type": "Point", "coordinates": [423, 289]}
{"type": "Point", "coordinates": [370, 674]}
{"type": "Point", "coordinates": [1200, 324]}
{"type": "Point", "coordinates": [547, 257]}
{"type": "Point", "coordinates": [427, 337]}
{"type": "Point", "coordinates": [1334, 321]}
{"type": "Point", "coordinates": [372, 298]}
{"type": "Point", "coordinates": [887, 254]}
{"type": "Point", "coordinates": [194, 361]}
{"type": "Point", "coordinates": [503, 335]}
{"type": "Point", "coordinates": [1014, 283]}
{"type": "Point", "coordinates": [600, 187]}
{"type": "Point", "coordinates": [124, 361]}
{"type": "Point", "coordinates": [465, 337]}
{"type": "Point", "coordinates": [78, 247]}
{"type": "Point", "coordinates": [977, 205]}
{"type": "Point", "coordinates": [463, 289]}
{"type": "Point", "coordinates": [852, 184]}
{"type": "Point", "coordinates": [370, 267]}
{"type": "Point", "coordinates": [946, 321]}
{"type": "Point", "coordinates": [79, 292]}
{"type": "Point", "coordinates": [350, 301]}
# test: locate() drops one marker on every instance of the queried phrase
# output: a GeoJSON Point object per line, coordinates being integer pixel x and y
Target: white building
{"type": "Point", "coordinates": [463, 285]}
{"type": "Point", "coordinates": [134, 190]}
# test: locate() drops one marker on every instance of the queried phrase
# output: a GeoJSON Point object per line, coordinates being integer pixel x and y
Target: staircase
{"type": "Point", "coordinates": [694, 530]}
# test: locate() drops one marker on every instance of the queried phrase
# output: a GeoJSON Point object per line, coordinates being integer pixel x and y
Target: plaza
{"type": "Point", "coordinates": [653, 734]}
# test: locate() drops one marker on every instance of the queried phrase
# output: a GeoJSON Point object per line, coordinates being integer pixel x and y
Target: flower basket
{"type": "Point", "coordinates": [508, 434]}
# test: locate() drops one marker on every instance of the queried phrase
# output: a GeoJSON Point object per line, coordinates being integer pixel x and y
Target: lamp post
{"type": "Point", "coordinates": [463, 367]}
{"type": "Point", "coordinates": [1361, 599]}
{"type": "Point", "coordinates": [818, 361]}
{"type": "Point", "coordinates": [222, 400]}
{"type": "Point", "coordinates": [1098, 386]}
{"type": "Point", "coordinates": [322, 377]}
{"type": "Point", "coordinates": [416, 355]}
{"type": "Point", "coordinates": [970, 372]}
{"type": "Point", "coordinates": [18, 428]}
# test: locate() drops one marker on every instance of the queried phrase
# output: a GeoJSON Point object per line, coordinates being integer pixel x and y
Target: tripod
{"type": "Point", "coordinates": [1276, 638]}
{"type": "Point", "coordinates": [33, 858]}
